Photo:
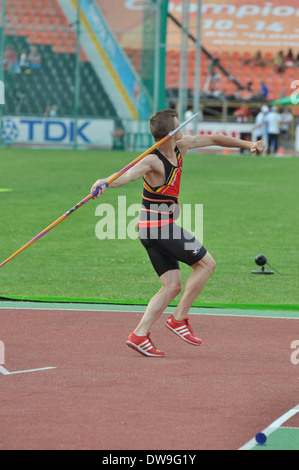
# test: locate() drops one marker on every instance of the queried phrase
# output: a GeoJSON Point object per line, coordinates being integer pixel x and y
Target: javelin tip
{"type": "Point", "coordinates": [183, 124]}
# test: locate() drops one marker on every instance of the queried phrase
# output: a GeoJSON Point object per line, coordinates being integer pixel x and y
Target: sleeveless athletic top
{"type": "Point", "coordinates": [160, 204]}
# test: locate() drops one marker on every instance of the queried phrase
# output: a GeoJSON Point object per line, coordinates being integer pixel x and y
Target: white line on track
{"type": "Point", "coordinates": [6, 372]}
{"type": "Point", "coordinates": [273, 427]}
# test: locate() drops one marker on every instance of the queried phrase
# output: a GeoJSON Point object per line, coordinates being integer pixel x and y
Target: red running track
{"type": "Point", "coordinates": [103, 395]}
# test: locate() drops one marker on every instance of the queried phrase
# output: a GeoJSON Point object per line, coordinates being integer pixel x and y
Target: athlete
{"type": "Point", "coordinates": [167, 243]}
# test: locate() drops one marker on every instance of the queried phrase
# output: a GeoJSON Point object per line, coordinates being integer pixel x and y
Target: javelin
{"type": "Point", "coordinates": [95, 193]}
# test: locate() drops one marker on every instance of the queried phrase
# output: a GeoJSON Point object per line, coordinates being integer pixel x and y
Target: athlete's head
{"type": "Point", "coordinates": [163, 122]}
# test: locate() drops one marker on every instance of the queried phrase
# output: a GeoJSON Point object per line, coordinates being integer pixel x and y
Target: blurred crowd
{"type": "Point", "coordinates": [24, 61]}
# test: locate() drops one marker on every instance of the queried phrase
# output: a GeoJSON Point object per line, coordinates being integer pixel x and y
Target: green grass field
{"type": "Point", "coordinates": [250, 207]}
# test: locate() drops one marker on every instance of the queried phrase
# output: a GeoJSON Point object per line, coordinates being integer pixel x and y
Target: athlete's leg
{"type": "Point", "coordinates": [171, 287]}
{"type": "Point", "coordinates": [202, 270]}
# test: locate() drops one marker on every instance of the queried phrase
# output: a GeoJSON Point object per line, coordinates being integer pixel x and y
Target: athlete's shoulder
{"type": "Point", "coordinates": [151, 157]}
{"type": "Point", "coordinates": [184, 144]}
{"type": "Point", "coordinates": [152, 161]}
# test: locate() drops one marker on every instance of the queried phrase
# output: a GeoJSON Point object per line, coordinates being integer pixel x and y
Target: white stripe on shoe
{"type": "Point", "coordinates": [182, 332]}
{"type": "Point", "coordinates": [181, 328]}
{"type": "Point", "coordinates": [144, 348]}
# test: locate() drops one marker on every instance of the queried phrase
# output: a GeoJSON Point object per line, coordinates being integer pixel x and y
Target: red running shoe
{"type": "Point", "coordinates": [183, 330]}
{"type": "Point", "coordinates": [143, 345]}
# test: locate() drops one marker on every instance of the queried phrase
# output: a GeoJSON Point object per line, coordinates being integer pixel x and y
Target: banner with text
{"type": "Point", "coordinates": [57, 131]}
{"type": "Point", "coordinates": [233, 25]}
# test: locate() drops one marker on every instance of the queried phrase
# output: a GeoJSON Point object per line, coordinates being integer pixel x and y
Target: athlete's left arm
{"type": "Point", "coordinates": [189, 142]}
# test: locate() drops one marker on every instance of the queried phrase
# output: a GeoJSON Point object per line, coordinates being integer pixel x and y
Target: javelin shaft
{"type": "Point", "coordinates": [46, 230]}
{"type": "Point", "coordinates": [94, 193]}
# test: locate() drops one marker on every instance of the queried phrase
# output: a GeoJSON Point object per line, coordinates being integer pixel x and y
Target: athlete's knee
{"type": "Point", "coordinates": [211, 264]}
{"type": "Point", "coordinates": [173, 284]}
{"type": "Point", "coordinates": [208, 263]}
{"type": "Point", "coordinates": [174, 288]}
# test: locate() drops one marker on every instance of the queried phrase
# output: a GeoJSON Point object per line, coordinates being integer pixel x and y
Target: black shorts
{"type": "Point", "coordinates": [168, 245]}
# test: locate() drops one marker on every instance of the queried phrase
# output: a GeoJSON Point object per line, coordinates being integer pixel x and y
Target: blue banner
{"type": "Point", "coordinates": [129, 79]}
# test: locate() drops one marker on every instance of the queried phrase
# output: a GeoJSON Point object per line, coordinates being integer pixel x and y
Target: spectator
{"type": "Point", "coordinates": [258, 59]}
{"type": "Point", "coordinates": [246, 94]}
{"type": "Point", "coordinates": [47, 110]}
{"type": "Point", "coordinates": [51, 111]}
{"type": "Point", "coordinates": [289, 60]}
{"type": "Point", "coordinates": [279, 62]}
{"type": "Point", "coordinates": [213, 81]}
{"type": "Point", "coordinates": [24, 62]}
{"type": "Point", "coordinates": [242, 114]}
{"type": "Point", "coordinates": [189, 128]}
{"type": "Point", "coordinates": [286, 119]}
{"type": "Point", "coordinates": [263, 92]}
{"type": "Point", "coordinates": [273, 120]}
{"type": "Point", "coordinates": [260, 128]}
{"type": "Point", "coordinates": [19, 97]}
{"type": "Point", "coordinates": [11, 60]}
{"type": "Point", "coordinates": [35, 58]}
{"type": "Point", "coordinates": [188, 114]}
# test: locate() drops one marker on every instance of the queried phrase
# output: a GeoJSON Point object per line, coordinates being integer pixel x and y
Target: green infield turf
{"type": "Point", "coordinates": [250, 206]}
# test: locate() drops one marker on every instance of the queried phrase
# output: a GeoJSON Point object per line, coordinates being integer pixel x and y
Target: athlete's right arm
{"type": "Point", "coordinates": [139, 170]}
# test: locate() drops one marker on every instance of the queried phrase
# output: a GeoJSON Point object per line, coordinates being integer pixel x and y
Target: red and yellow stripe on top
{"type": "Point", "coordinates": [160, 204]}
{"type": "Point", "coordinates": [172, 183]}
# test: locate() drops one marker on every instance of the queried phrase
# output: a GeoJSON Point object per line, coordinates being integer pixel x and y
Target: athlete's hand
{"type": "Point", "coordinates": [258, 147]}
{"type": "Point", "coordinates": [99, 184]}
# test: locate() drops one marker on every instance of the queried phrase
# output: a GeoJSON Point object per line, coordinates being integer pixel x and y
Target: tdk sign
{"type": "Point", "coordinates": [54, 130]}
{"type": "Point", "coordinates": [57, 131]}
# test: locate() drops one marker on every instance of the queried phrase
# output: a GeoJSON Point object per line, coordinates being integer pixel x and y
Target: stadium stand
{"type": "Point", "coordinates": [42, 23]}
{"type": "Point", "coordinates": [239, 65]}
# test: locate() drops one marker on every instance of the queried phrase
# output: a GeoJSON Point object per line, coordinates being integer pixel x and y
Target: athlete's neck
{"type": "Point", "coordinates": [167, 148]}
